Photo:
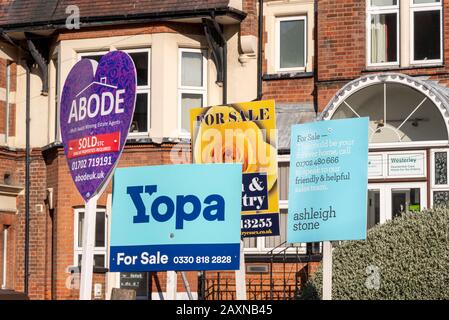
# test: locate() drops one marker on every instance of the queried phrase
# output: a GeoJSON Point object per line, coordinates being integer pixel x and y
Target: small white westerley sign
{"type": "Point", "coordinates": [395, 164]}
{"type": "Point", "coordinates": [411, 164]}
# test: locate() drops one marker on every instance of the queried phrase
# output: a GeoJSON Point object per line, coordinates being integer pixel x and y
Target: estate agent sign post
{"type": "Point", "coordinates": [243, 133]}
{"type": "Point", "coordinates": [176, 218]}
{"type": "Point", "coordinates": [97, 106]}
{"type": "Point", "coordinates": [328, 186]}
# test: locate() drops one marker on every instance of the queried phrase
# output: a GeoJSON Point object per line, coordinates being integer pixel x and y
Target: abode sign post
{"type": "Point", "coordinates": [328, 186]}
{"type": "Point", "coordinates": [97, 106]}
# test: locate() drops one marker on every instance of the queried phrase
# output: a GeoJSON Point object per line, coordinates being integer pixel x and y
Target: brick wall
{"type": "Point", "coordinates": [67, 198]}
{"type": "Point", "coordinates": [341, 39]}
{"type": "Point", "coordinates": [39, 250]}
{"type": "Point", "coordinates": [326, 92]}
{"type": "Point", "coordinates": [12, 162]}
{"type": "Point", "coordinates": [249, 25]}
{"type": "Point", "coordinates": [341, 48]}
{"type": "Point", "coordinates": [290, 90]}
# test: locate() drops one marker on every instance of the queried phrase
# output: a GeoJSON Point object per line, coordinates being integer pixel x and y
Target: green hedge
{"type": "Point", "coordinates": [405, 258]}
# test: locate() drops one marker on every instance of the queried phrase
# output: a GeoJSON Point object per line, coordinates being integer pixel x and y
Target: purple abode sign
{"type": "Point", "coordinates": [97, 106]}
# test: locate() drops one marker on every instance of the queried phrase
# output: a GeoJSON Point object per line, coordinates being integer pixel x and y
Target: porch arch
{"type": "Point", "coordinates": [402, 109]}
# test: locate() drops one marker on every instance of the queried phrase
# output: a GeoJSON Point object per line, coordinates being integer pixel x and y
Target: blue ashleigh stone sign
{"type": "Point", "coordinates": [176, 217]}
{"type": "Point", "coordinates": [328, 181]}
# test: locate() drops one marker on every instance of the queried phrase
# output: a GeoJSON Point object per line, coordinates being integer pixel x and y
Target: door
{"type": "Point", "coordinates": [405, 197]}
{"type": "Point", "coordinates": [390, 200]}
{"type": "Point", "coordinates": [373, 208]}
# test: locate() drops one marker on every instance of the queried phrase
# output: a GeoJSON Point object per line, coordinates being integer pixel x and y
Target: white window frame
{"type": "Point", "coordinates": [278, 43]}
{"type": "Point", "coordinates": [421, 7]}
{"type": "Point", "coordinates": [7, 99]}
{"type": "Point", "coordinates": [386, 189]}
{"type": "Point", "coordinates": [376, 10]}
{"type": "Point", "coordinates": [437, 187]}
{"type": "Point", "coordinates": [54, 61]}
{"type": "Point", "coordinates": [189, 89]}
{"type": "Point", "coordinates": [5, 258]}
{"type": "Point", "coordinates": [140, 89]}
{"type": "Point", "coordinates": [434, 186]}
{"type": "Point", "coordinates": [77, 250]}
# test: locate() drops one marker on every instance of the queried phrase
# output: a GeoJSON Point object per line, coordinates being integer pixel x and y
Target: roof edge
{"type": "Point", "coordinates": [231, 12]}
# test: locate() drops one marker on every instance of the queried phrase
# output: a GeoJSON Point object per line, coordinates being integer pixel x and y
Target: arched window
{"type": "Point", "coordinates": [400, 109]}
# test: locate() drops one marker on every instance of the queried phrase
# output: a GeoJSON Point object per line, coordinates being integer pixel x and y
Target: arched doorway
{"type": "Point", "coordinates": [408, 138]}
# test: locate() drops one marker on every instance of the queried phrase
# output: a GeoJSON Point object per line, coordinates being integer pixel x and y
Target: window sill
{"type": "Point", "coordinates": [287, 75]}
{"type": "Point", "coordinates": [100, 270]}
{"type": "Point", "coordinates": [423, 64]}
{"type": "Point", "coordinates": [77, 269]}
{"type": "Point", "coordinates": [398, 68]}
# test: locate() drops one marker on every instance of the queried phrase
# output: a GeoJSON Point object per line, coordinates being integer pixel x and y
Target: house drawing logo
{"type": "Point", "coordinates": [103, 82]}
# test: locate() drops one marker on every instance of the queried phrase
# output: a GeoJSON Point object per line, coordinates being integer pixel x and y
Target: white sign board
{"type": "Point", "coordinates": [384, 165]}
{"type": "Point", "coordinates": [400, 165]}
{"type": "Point", "coordinates": [375, 165]}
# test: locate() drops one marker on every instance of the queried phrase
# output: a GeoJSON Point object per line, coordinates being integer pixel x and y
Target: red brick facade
{"type": "Point", "coordinates": [341, 48]}
{"type": "Point", "coordinates": [249, 26]}
{"type": "Point", "coordinates": [290, 90]}
{"type": "Point", "coordinates": [67, 198]}
{"type": "Point", "coordinates": [339, 57]}
{"type": "Point", "coordinates": [12, 163]}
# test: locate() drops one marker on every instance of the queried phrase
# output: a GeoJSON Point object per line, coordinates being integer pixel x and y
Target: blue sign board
{"type": "Point", "coordinates": [328, 181]}
{"type": "Point", "coordinates": [176, 217]}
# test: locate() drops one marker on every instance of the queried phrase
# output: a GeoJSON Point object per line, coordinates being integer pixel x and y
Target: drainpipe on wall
{"type": "Point", "coordinates": [37, 58]}
{"type": "Point", "coordinates": [28, 65]}
{"type": "Point", "coordinates": [27, 160]}
{"type": "Point", "coordinates": [218, 46]}
{"type": "Point", "coordinates": [33, 56]}
{"type": "Point", "coordinates": [225, 72]}
{"type": "Point", "coordinates": [259, 52]}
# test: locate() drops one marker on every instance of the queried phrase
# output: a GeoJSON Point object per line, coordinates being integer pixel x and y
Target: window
{"type": "Point", "coordinates": [426, 31]}
{"type": "Point", "coordinates": [7, 100]}
{"type": "Point", "coordinates": [398, 113]}
{"type": "Point", "coordinates": [4, 256]}
{"type": "Point", "coordinates": [383, 32]}
{"type": "Point", "coordinates": [56, 101]}
{"type": "Point", "coordinates": [141, 120]}
{"type": "Point", "coordinates": [291, 46]}
{"type": "Point", "coordinates": [192, 85]}
{"type": "Point", "coordinates": [100, 238]}
{"type": "Point", "coordinates": [440, 177]}
{"type": "Point", "coordinates": [140, 124]}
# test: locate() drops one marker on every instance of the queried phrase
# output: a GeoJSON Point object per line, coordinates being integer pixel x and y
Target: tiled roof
{"type": "Point", "coordinates": [288, 115]}
{"type": "Point", "coordinates": [31, 12]}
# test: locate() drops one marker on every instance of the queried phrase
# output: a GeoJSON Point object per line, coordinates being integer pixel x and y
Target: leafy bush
{"type": "Point", "coordinates": [405, 258]}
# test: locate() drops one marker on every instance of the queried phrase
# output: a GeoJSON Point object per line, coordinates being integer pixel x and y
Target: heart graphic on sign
{"type": "Point", "coordinates": [97, 106]}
